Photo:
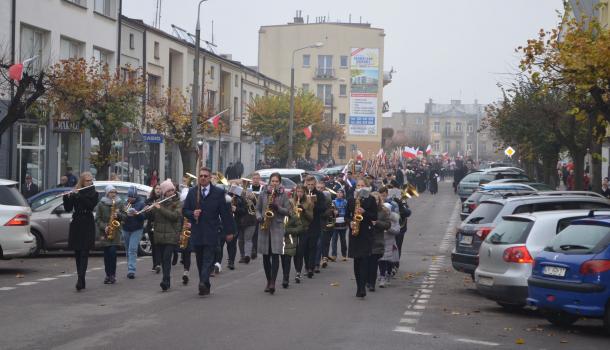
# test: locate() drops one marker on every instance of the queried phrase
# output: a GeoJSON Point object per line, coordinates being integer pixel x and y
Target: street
{"type": "Point", "coordinates": [428, 305]}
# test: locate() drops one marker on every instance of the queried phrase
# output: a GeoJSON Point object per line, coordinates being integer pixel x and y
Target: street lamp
{"type": "Point", "coordinates": [195, 98]}
{"type": "Point", "coordinates": [291, 123]}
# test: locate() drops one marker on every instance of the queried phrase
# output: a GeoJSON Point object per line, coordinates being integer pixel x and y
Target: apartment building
{"type": "Point", "coordinates": [346, 73]}
{"type": "Point", "coordinates": [405, 128]}
{"type": "Point", "coordinates": [52, 30]}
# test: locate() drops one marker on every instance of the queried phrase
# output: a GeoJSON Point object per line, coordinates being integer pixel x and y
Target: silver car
{"type": "Point", "coordinates": [15, 238]}
{"type": "Point", "coordinates": [50, 223]}
{"type": "Point", "coordinates": [507, 254]}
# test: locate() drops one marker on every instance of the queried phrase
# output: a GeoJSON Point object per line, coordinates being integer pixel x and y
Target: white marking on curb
{"type": "Point", "coordinates": [46, 279]}
{"type": "Point", "coordinates": [409, 320]}
{"type": "Point", "coordinates": [65, 275]}
{"type": "Point", "coordinates": [412, 313]}
{"type": "Point", "coordinates": [8, 288]}
{"type": "Point", "coordinates": [409, 330]}
{"type": "Point", "coordinates": [480, 342]}
{"type": "Point", "coordinates": [27, 283]}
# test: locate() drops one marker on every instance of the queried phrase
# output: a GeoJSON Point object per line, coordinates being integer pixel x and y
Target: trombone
{"type": "Point", "coordinates": [221, 178]}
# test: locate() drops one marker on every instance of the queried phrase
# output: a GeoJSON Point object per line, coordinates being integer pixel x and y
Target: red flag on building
{"type": "Point", "coordinates": [215, 120]}
{"type": "Point", "coordinates": [308, 131]}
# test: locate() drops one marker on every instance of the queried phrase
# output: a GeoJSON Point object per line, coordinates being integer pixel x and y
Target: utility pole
{"type": "Point", "coordinates": [195, 95]}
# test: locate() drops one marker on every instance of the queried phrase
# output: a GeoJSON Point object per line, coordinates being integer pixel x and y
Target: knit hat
{"type": "Point", "coordinates": [132, 192]}
{"type": "Point", "coordinates": [109, 189]}
{"type": "Point", "coordinates": [166, 186]}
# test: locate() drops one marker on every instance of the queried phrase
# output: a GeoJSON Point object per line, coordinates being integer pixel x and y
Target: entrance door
{"type": "Point", "coordinates": [31, 146]}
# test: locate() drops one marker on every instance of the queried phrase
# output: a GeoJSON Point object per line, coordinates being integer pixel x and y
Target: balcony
{"type": "Point", "coordinates": [324, 73]}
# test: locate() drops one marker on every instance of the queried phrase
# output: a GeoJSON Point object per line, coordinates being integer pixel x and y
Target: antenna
{"type": "Point", "coordinates": [213, 33]}
{"type": "Point", "coordinates": [157, 22]}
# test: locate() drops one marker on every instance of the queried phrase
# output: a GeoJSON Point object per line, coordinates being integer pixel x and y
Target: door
{"type": "Point", "coordinates": [31, 145]}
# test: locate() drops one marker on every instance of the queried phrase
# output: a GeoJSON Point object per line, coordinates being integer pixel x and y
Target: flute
{"type": "Point", "coordinates": [152, 205]}
{"type": "Point", "coordinates": [72, 191]}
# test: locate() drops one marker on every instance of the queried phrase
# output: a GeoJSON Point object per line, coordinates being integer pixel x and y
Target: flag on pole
{"type": "Point", "coordinates": [359, 155]}
{"type": "Point", "coordinates": [428, 150]}
{"type": "Point", "coordinates": [409, 152]}
{"type": "Point", "coordinates": [308, 131]}
{"type": "Point", "coordinates": [15, 72]}
{"type": "Point", "coordinates": [419, 152]}
{"type": "Point", "coordinates": [215, 120]}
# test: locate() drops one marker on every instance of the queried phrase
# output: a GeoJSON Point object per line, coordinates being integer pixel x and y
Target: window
{"type": "Point", "coordinates": [470, 128]}
{"type": "Point", "coordinates": [447, 128]}
{"type": "Point", "coordinates": [342, 152]}
{"type": "Point", "coordinates": [469, 147]}
{"type": "Point", "coordinates": [325, 65]}
{"type": "Point", "coordinates": [132, 41]}
{"type": "Point", "coordinates": [458, 127]}
{"type": "Point", "coordinates": [70, 49]}
{"type": "Point", "coordinates": [343, 61]}
{"type": "Point", "coordinates": [437, 127]}
{"type": "Point", "coordinates": [156, 50]}
{"type": "Point", "coordinates": [458, 146]}
{"type": "Point", "coordinates": [235, 108]}
{"type": "Point", "coordinates": [343, 90]}
{"type": "Point", "coordinates": [447, 146]}
{"type": "Point", "coordinates": [436, 146]}
{"type": "Point", "coordinates": [102, 7]}
{"type": "Point", "coordinates": [33, 43]}
{"type": "Point", "coordinates": [103, 57]}
{"type": "Point", "coordinates": [305, 87]}
{"type": "Point", "coordinates": [419, 121]}
{"type": "Point", "coordinates": [342, 118]}
{"type": "Point", "coordinates": [128, 74]}
{"type": "Point", "coordinates": [236, 80]}
{"type": "Point", "coordinates": [306, 61]}
{"type": "Point", "coordinates": [212, 72]}
{"type": "Point", "coordinates": [325, 93]}
{"type": "Point", "coordinates": [153, 87]}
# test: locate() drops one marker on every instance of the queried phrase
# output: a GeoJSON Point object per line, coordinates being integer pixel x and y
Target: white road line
{"type": "Point", "coordinates": [7, 288]}
{"type": "Point", "coordinates": [96, 268]}
{"type": "Point", "coordinates": [412, 313]}
{"type": "Point", "coordinates": [425, 296]}
{"type": "Point", "coordinates": [419, 307]}
{"type": "Point", "coordinates": [121, 263]}
{"type": "Point", "coordinates": [479, 342]}
{"type": "Point", "coordinates": [27, 283]}
{"type": "Point", "coordinates": [65, 275]}
{"type": "Point", "coordinates": [409, 330]}
{"type": "Point", "coordinates": [409, 320]}
{"type": "Point", "coordinates": [46, 279]}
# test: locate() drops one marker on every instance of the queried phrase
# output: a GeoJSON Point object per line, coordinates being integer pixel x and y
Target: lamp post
{"type": "Point", "coordinates": [291, 123]}
{"type": "Point", "coordinates": [195, 96]}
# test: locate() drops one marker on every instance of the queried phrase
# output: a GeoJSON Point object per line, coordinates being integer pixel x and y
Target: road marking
{"type": "Point", "coordinates": [409, 330]}
{"type": "Point", "coordinates": [7, 288]}
{"type": "Point", "coordinates": [479, 342]}
{"type": "Point", "coordinates": [96, 268]}
{"type": "Point", "coordinates": [65, 275]}
{"type": "Point", "coordinates": [46, 279]}
{"type": "Point", "coordinates": [412, 313]}
{"type": "Point", "coordinates": [27, 283]}
{"type": "Point", "coordinates": [409, 320]}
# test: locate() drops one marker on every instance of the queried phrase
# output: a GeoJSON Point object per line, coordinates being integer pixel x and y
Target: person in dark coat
{"type": "Point", "coordinates": [207, 210]}
{"type": "Point", "coordinates": [71, 178]}
{"type": "Point", "coordinates": [104, 214]}
{"type": "Point", "coordinates": [400, 177]}
{"type": "Point", "coordinates": [81, 237]}
{"type": "Point", "coordinates": [309, 242]}
{"type": "Point", "coordinates": [378, 248]}
{"type": "Point", "coordinates": [360, 246]}
{"type": "Point", "coordinates": [29, 188]}
{"type": "Point", "coordinates": [154, 195]}
{"type": "Point", "coordinates": [297, 225]}
{"type": "Point", "coordinates": [433, 181]}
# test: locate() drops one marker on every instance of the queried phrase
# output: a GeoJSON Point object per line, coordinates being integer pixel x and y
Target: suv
{"type": "Point", "coordinates": [475, 228]}
{"type": "Point", "coordinates": [15, 238]}
{"type": "Point", "coordinates": [506, 255]}
{"type": "Point", "coordinates": [571, 277]}
{"type": "Point", "coordinates": [486, 192]}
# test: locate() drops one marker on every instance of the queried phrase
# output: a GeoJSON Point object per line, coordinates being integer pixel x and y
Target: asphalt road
{"type": "Point", "coordinates": [429, 306]}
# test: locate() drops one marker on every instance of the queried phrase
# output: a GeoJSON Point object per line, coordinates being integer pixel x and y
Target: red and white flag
{"type": "Point", "coordinates": [215, 120]}
{"type": "Point", "coordinates": [409, 152]}
{"type": "Point", "coordinates": [308, 131]}
{"type": "Point", "coordinates": [428, 150]}
{"type": "Point", "coordinates": [445, 155]}
{"type": "Point", "coordinates": [419, 152]}
{"type": "Point", "coordinates": [15, 72]}
{"type": "Point", "coordinates": [359, 155]}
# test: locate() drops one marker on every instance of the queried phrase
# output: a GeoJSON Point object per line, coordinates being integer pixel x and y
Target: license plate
{"type": "Point", "coordinates": [554, 271]}
{"type": "Point", "coordinates": [466, 240]}
{"type": "Point", "coordinates": [486, 281]}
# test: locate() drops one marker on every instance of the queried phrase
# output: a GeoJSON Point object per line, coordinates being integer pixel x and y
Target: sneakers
{"type": "Point", "coordinates": [297, 278]}
{"type": "Point", "coordinates": [217, 268]}
{"type": "Point", "coordinates": [324, 262]}
{"type": "Point", "coordinates": [185, 277]}
{"type": "Point", "coordinates": [382, 282]}
{"type": "Point", "coordinates": [344, 258]}
{"type": "Point", "coordinates": [131, 275]}
{"type": "Point", "coordinates": [332, 258]}
{"type": "Point", "coordinates": [157, 269]}
{"type": "Point", "coordinates": [387, 281]}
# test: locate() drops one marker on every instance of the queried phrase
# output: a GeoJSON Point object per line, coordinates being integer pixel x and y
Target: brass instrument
{"type": "Point", "coordinates": [156, 202]}
{"type": "Point", "coordinates": [221, 178]}
{"type": "Point", "coordinates": [268, 212]}
{"type": "Point", "coordinates": [251, 202]}
{"type": "Point", "coordinates": [72, 191]}
{"type": "Point", "coordinates": [113, 224]}
{"type": "Point", "coordinates": [409, 191]}
{"type": "Point", "coordinates": [330, 223]}
{"type": "Point", "coordinates": [185, 235]}
{"type": "Point", "coordinates": [355, 224]}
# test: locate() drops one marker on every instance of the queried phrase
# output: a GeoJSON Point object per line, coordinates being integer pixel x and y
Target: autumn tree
{"type": "Point", "coordinates": [269, 118]}
{"type": "Point", "coordinates": [99, 99]}
{"type": "Point", "coordinates": [326, 135]}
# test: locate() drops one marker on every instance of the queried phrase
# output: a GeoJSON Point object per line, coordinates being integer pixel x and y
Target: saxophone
{"type": "Point", "coordinates": [113, 224]}
{"type": "Point", "coordinates": [268, 212]}
{"type": "Point", "coordinates": [185, 235]}
{"type": "Point", "coordinates": [330, 223]}
{"type": "Point", "coordinates": [355, 224]}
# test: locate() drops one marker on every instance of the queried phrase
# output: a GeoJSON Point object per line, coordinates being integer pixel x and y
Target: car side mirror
{"type": "Point", "coordinates": [59, 210]}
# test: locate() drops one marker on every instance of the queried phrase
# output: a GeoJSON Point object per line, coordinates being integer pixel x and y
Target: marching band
{"type": "Point", "coordinates": [300, 226]}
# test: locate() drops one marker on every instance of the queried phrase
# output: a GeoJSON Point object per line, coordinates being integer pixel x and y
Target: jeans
{"type": "Point", "coordinates": [132, 242]}
{"type": "Point", "coordinates": [156, 253]}
{"type": "Point", "coordinates": [110, 260]}
{"type": "Point", "coordinates": [82, 259]}
{"type": "Point", "coordinates": [166, 252]}
{"type": "Point", "coordinates": [204, 255]}
{"type": "Point", "coordinates": [339, 234]}
{"type": "Point", "coordinates": [245, 241]}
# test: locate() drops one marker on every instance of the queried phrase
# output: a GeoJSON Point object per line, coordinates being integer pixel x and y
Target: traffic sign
{"type": "Point", "coordinates": [509, 151]}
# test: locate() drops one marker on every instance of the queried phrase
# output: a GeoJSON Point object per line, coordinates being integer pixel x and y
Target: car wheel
{"type": "Point", "coordinates": [39, 243]}
{"type": "Point", "coordinates": [561, 319]}
{"type": "Point", "coordinates": [510, 307]}
{"type": "Point", "coordinates": [145, 247]}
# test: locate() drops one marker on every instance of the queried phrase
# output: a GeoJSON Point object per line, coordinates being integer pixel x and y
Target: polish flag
{"type": "Point", "coordinates": [409, 152]}
{"type": "Point", "coordinates": [419, 152]}
{"type": "Point", "coordinates": [15, 72]}
{"type": "Point", "coordinates": [308, 131]}
{"type": "Point", "coordinates": [445, 155]}
{"type": "Point", "coordinates": [359, 155]}
{"type": "Point", "coordinates": [428, 150]}
{"type": "Point", "coordinates": [215, 120]}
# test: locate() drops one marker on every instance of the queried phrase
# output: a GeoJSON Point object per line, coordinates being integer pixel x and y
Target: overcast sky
{"type": "Point", "coordinates": [441, 49]}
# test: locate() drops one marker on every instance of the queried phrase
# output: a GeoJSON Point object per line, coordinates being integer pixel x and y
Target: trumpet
{"type": "Point", "coordinates": [409, 191]}
{"type": "Point", "coordinates": [72, 191]}
{"type": "Point", "coordinates": [153, 205]}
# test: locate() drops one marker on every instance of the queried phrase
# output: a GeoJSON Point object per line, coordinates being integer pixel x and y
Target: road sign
{"type": "Point", "coordinates": [509, 151]}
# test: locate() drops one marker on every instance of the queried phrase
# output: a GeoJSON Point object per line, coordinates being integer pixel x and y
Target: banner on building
{"type": "Point", "coordinates": [364, 69]}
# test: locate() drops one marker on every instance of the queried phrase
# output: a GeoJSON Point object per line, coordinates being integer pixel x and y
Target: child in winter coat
{"type": "Point", "coordinates": [390, 254]}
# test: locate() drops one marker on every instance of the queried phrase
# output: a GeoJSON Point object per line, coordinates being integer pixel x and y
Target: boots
{"type": "Point", "coordinates": [285, 282]}
{"type": "Point", "coordinates": [80, 283]}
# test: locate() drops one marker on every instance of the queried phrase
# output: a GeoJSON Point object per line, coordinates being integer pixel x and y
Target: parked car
{"type": "Point", "coordinates": [536, 186]}
{"type": "Point", "coordinates": [571, 277]}
{"type": "Point", "coordinates": [50, 223]}
{"type": "Point", "coordinates": [475, 228]}
{"type": "Point", "coordinates": [470, 204]}
{"type": "Point", "coordinates": [16, 241]}
{"type": "Point", "coordinates": [506, 255]}
{"type": "Point", "coordinates": [469, 184]}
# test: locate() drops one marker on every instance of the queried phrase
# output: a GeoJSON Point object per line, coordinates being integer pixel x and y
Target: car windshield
{"type": "Point", "coordinates": [474, 177]}
{"type": "Point", "coordinates": [475, 197]}
{"type": "Point", "coordinates": [51, 201]}
{"type": "Point", "coordinates": [9, 195]}
{"type": "Point", "coordinates": [485, 213]}
{"type": "Point", "coordinates": [510, 232]}
{"type": "Point", "coordinates": [580, 238]}
{"type": "Point", "coordinates": [42, 200]}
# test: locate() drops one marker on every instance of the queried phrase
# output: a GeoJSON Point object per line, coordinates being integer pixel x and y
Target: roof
{"type": "Point", "coordinates": [553, 214]}
{"type": "Point", "coordinates": [559, 195]}
{"type": "Point", "coordinates": [344, 24]}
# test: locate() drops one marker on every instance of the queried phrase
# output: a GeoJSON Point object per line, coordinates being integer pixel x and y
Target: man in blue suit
{"type": "Point", "coordinates": [210, 216]}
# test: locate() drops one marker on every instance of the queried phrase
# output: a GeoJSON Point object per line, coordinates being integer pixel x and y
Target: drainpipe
{"type": "Point", "coordinates": [11, 141]}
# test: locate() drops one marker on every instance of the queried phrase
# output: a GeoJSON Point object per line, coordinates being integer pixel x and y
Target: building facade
{"type": "Point", "coordinates": [346, 73]}
{"type": "Point", "coordinates": [404, 128]}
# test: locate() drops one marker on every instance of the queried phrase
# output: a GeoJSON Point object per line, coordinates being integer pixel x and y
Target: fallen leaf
{"type": "Point", "coordinates": [563, 341]}
{"type": "Point", "coordinates": [508, 329]}
{"type": "Point", "coordinates": [334, 284]}
{"type": "Point", "coordinates": [455, 313]}
{"type": "Point", "coordinates": [20, 275]}
{"type": "Point", "coordinates": [520, 341]}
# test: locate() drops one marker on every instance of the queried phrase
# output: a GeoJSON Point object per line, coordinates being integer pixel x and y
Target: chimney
{"type": "Point", "coordinates": [299, 18]}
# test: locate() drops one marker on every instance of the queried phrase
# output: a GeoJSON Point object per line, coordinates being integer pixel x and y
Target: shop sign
{"type": "Point", "coordinates": [66, 125]}
{"type": "Point", "coordinates": [152, 138]}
